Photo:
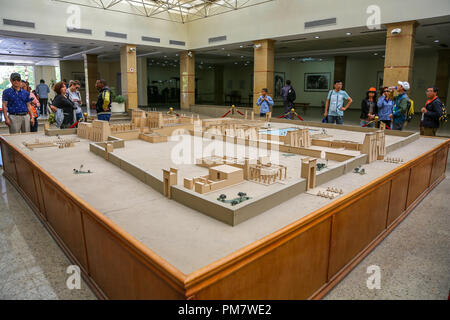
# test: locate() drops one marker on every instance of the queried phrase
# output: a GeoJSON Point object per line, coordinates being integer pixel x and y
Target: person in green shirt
{"type": "Point", "coordinates": [400, 104]}
{"type": "Point", "coordinates": [334, 107]}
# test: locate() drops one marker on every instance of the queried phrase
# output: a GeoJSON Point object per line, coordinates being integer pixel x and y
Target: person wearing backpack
{"type": "Point", "coordinates": [431, 113]}
{"type": "Point", "coordinates": [289, 96]}
{"type": "Point", "coordinates": [401, 101]}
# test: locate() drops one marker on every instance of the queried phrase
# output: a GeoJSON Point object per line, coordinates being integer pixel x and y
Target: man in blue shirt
{"type": "Point", "coordinates": [265, 102]}
{"type": "Point", "coordinates": [43, 90]}
{"type": "Point", "coordinates": [334, 108]}
{"type": "Point", "coordinates": [17, 107]}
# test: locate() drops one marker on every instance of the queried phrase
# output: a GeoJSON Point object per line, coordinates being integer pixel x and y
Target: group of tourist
{"type": "Point", "coordinates": [391, 109]}
{"type": "Point", "coordinates": [22, 107]}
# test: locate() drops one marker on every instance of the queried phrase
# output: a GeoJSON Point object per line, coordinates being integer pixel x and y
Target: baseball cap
{"type": "Point", "coordinates": [15, 76]}
{"type": "Point", "coordinates": [405, 85]}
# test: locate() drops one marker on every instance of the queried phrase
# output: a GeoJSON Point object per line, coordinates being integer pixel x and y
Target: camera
{"type": "Point", "coordinates": [396, 31]}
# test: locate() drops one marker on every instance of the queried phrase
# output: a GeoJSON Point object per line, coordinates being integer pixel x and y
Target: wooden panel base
{"type": "Point", "coordinates": [303, 260]}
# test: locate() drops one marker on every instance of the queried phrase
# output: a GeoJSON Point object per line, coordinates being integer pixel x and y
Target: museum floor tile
{"type": "Point", "coordinates": [32, 266]}
{"type": "Point", "coordinates": [414, 259]}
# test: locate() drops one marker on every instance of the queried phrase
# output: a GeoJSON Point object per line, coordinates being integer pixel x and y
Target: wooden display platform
{"type": "Point", "coordinates": [302, 260]}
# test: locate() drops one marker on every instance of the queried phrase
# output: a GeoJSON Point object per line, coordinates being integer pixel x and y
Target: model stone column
{"type": "Point", "coordinates": [340, 68]}
{"type": "Point", "coordinates": [442, 74]}
{"type": "Point", "coordinates": [263, 70]}
{"type": "Point", "coordinates": [398, 65]}
{"type": "Point", "coordinates": [187, 79]}
{"type": "Point", "coordinates": [129, 75]}
{"type": "Point", "coordinates": [142, 81]}
{"type": "Point", "coordinates": [91, 75]}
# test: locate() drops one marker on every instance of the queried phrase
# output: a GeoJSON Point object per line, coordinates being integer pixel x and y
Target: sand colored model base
{"type": "Point", "coordinates": [264, 181]}
{"type": "Point", "coordinates": [267, 182]}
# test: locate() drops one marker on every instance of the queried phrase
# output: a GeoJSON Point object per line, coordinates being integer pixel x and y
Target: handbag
{"type": "Point", "coordinates": [59, 117]}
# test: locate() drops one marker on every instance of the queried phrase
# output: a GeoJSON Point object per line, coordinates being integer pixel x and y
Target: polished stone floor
{"type": "Point", "coordinates": [414, 260]}
{"type": "Point", "coordinates": [32, 266]}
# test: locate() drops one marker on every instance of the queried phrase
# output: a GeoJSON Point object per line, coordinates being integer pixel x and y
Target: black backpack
{"type": "Point", "coordinates": [291, 96]}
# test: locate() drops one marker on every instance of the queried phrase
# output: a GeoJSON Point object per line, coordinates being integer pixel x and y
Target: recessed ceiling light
{"type": "Point", "coordinates": [349, 33]}
{"type": "Point", "coordinates": [375, 54]}
{"type": "Point", "coordinates": [317, 37]}
{"type": "Point", "coordinates": [436, 41]}
{"type": "Point", "coordinates": [292, 59]}
{"type": "Point", "coordinates": [241, 46]}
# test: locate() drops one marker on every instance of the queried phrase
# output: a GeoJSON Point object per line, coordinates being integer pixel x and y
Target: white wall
{"type": "Point", "coordinates": [50, 19]}
{"type": "Point", "coordinates": [47, 73]}
{"type": "Point", "coordinates": [282, 18]}
{"type": "Point", "coordinates": [279, 18]}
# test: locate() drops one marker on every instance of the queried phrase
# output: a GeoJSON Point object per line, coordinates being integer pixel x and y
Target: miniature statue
{"type": "Point", "coordinates": [75, 171]}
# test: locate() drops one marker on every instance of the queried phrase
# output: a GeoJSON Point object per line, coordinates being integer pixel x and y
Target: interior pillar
{"type": "Point", "coordinates": [443, 74]}
{"type": "Point", "coordinates": [399, 56]}
{"type": "Point", "coordinates": [142, 81]}
{"type": "Point", "coordinates": [91, 75]}
{"type": "Point", "coordinates": [218, 84]}
{"type": "Point", "coordinates": [129, 75]}
{"type": "Point", "coordinates": [340, 68]}
{"type": "Point", "coordinates": [187, 79]}
{"type": "Point", "coordinates": [263, 70]}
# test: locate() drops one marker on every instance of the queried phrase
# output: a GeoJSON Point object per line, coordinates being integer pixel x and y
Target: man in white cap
{"type": "Point", "coordinates": [400, 104]}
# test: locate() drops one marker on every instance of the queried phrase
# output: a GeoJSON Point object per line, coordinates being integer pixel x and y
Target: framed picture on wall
{"type": "Point", "coordinates": [318, 81]}
{"type": "Point", "coordinates": [380, 79]}
{"type": "Point", "coordinates": [279, 81]}
{"type": "Point", "coordinates": [80, 77]}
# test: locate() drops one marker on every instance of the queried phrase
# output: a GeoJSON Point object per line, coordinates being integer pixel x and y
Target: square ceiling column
{"type": "Point", "coordinates": [187, 79]}
{"type": "Point", "coordinates": [129, 75]}
{"type": "Point", "coordinates": [398, 65]}
{"type": "Point", "coordinates": [264, 69]}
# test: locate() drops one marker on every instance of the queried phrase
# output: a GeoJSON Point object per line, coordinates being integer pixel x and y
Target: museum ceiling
{"type": "Point", "coordinates": [181, 11]}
